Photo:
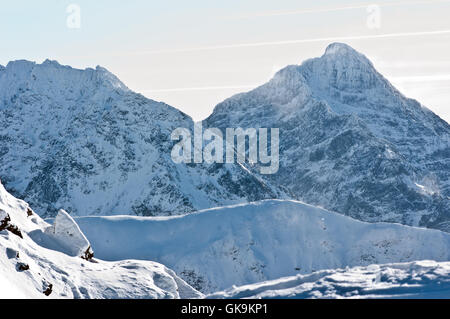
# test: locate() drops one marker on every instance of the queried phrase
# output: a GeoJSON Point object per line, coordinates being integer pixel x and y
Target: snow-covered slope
{"type": "Point", "coordinates": [349, 141]}
{"type": "Point", "coordinates": [28, 270]}
{"type": "Point", "coordinates": [80, 140]}
{"type": "Point", "coordinates": [217, 248]}
{"type": "Point", "coordinates": [421, 279]}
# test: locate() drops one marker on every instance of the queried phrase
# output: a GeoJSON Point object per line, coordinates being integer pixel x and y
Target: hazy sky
{"type": "Point", "coordinates": [193, 54]}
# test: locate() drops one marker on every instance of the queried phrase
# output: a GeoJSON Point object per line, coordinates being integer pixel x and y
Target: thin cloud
{"type": "Point", "coordinates": [399, 79]}
{"type": "Point", "coordinates": [421, 78]}
{"type": "Point", "coordinates": [413, 64]}
{"type": "Point", "coordinates": [201, 88]}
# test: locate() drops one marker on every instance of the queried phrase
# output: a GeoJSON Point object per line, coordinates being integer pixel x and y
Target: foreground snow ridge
{"type": "Point", "coordinates": [251, 245]}
{"type": "Point", "coordinates": [420, 279]}
{"type": "Point", "coordinates": [237, 245]}
{"type": "Point", "coordinates": [38, 260]}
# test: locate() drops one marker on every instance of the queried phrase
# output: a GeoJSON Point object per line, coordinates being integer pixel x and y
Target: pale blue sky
{"type": "Point", "coordinates": [194, 54]}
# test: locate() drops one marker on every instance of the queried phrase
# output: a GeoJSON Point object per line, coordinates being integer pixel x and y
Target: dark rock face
{"type": "Point", "coordinates": [48, 289]}
{"type": "Point", "coordinates": [5, 224]}
{"type": "Point", "coordinates": [349, 141]}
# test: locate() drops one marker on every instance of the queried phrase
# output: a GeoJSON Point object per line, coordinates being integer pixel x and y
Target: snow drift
{"type": "Point", "coordinates": [421, 279]}
{"type": "Point", "coordinates": [237, 245]}
{"type": "Point", "coordinates": [29, 270]}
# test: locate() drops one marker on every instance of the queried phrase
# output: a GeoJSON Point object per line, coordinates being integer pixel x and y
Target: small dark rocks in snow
{"type": "Point", "coordinates": [22, 266]}
{"type": "Point", "coordinates": [48, 290]}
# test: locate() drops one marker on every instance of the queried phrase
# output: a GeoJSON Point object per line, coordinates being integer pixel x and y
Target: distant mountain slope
{"type": "Point", "coordinates": [28, 270]}
{"type": "Point", "coordinates": [349, 141]}
{"type": "Point", "coordinates": [249, 243]}
{"type": "Point", "coordinates": [415, 280]}
{"type": "Point", "coordinates": [82, 141]}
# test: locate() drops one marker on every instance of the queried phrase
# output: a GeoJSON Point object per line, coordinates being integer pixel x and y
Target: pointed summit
{"type": "Point", "coordinates": [342, 68]}
{"type": "Point", "coordinates": [339, 48]}
{"type": "Point", "coordinates": [350, 141]}
{"type": "Point", "coordinates": [345, 54]}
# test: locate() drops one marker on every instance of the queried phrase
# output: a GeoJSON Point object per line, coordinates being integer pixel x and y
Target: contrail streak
{"type": "Point", "coordinates": [403, 79]}
{"type": "Point", "coordinates": [273, 43]}
{"type": "Point", "coordinates": [332, 9]}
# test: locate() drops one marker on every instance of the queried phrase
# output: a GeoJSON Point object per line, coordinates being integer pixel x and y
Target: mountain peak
{"type": "Point", "coordinates": [51, 63]}
{"type": "Point", "coordinates": [25, 72]}
{"type": "Point", "coordinates": [342, 68]}
{"type": "Point", "coordinates": [345, 54]}
{"type": "Point", "coordinates": [353, 122]}
{"type": "Point", "coordinates": [338, 48]}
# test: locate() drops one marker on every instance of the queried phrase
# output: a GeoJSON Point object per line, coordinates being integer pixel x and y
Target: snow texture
{"type": "Point", "coordinates": [349, 141]}
{"type": "Point", "coordinates": [27, 269]}
{"type": "Point", "coordinates": [237, 245]}
{"type": "Point", "coordinates": [421, 279]}
{"type": "Point", "coordinates": [80, 140]}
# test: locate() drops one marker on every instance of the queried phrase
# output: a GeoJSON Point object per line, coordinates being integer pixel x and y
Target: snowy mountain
{"type": "Point", "coordinates": [80, 140]}
{"type": "Point", "coordinates": [34, 262]}
{"type": "Point", "coordinates": [422, 280]}
{"type": "Point", "coordinates": [244, 244]}
{"type": "Point", "coordinates": [349, 141]}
